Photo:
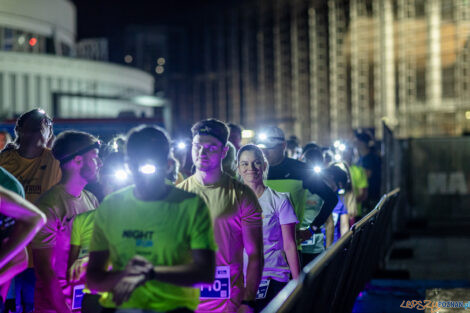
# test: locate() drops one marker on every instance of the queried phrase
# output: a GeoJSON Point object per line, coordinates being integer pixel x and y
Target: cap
{"type": "Point", "coordinates": [270, 137]}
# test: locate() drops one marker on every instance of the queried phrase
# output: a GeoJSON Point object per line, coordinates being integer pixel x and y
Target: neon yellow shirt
{"type": "Point", "coordinates": [82, 230]}
{"type": "Point", "coordinates": [164, 232]}
{"type": "Point", "coordinates": [358, 181]}
{"type": "Point", "coordinates": [233, 206]}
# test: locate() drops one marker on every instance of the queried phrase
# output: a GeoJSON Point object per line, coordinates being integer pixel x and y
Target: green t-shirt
{"type": "Point", "coordinates": [82, 230]}
{"type": "Point", "coordinates": [164, 232]}
{"type": "Point", "coordinates": [359, 181]}
{"type": "Point", "coordinates": [313, 205]}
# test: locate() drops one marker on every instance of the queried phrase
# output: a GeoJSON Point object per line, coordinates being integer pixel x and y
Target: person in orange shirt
{"type": "Point", "coordinates": [33, 164]}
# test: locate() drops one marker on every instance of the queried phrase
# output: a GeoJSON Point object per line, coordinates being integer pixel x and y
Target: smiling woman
{"type": "Point", "coordinates": [280, 251]}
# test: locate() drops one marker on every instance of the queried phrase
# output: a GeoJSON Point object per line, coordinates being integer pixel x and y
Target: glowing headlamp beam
{"type": "Point", "coordinates": [181, 145]}
{"type": "Point", "coordinates": [317, 169]}
{"type": "Point", "coordinates": [147, 169]}
{"type": "Point", "coordinates": [121, 175]}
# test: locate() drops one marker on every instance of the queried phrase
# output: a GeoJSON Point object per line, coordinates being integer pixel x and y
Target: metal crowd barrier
{"type": "Point", "coordinates": [332, 282]}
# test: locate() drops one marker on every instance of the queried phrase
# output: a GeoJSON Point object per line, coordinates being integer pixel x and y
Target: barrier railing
{"type": "Point", "coordinates": [332, 282]}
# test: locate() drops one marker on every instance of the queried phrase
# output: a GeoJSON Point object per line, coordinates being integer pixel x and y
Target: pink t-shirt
{"type": "Point", "coordinates": [233, 206]}
{"type": "Point", "coordinates": [60, 209]}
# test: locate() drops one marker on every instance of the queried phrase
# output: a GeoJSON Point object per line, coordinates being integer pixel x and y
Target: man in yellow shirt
{"type": "Point", "coordinates": [158, 239]}
{"type": "Point", "coordinates": [80, 164]}
{"type": "Point", "coordinates": [236, 214]}
{"type": "Point", "coordinates": [37, 170]}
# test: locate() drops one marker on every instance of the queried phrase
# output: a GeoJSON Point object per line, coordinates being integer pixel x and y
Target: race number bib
{"type": "Point", "coordinates": [77, 297]}
{"type": "Point", "coordinates": [262, 289]}
{"type": "Point", "coordinates": [220, 289]}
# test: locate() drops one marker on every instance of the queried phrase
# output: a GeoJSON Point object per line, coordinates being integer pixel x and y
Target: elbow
{"type": "Point", "coordinates": [40, 220]}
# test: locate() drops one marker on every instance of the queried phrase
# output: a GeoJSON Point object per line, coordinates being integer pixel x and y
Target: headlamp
{"type": "Point", "coordinates": [121, 175]}
{"type": "Point", "coordinates": [337, 143]}
{"type": "Point", "coordinates": [181, 145]}
{"type": "Point", "coordinates": [341, 191]}
{"type": "Point", "coordinates": [337, 157]}
{"type": "Point", "coordinates": [263, 136]}
{"type": "Point", "coordinates": [148, 169]}
{"type": "Point", "coordinates": [317, 169]}
{"type": "Point", "coordinates": [342, 147]}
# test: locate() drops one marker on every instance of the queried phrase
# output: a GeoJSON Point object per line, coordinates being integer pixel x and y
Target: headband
{"type": "Point", "coordinates": [69, 157]}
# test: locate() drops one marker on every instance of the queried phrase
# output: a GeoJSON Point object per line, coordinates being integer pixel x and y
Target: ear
{"type": "Point", "coordinates": [78, 160]}
{"type": "Point", "coordinates": [224, 151]}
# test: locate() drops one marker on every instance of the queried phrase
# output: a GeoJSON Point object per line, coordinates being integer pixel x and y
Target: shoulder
{"type": "Point", "coordinates": [91, 197]}
{"type": "Point", "coordinates": [177, 194]}
{"type": "Point", "coordinates": [10, 182]}
{"type": "Point", "coordinates": [118, 196]}
{"type": "Point", "coordinates": [7, 155]}
{"type": "Point", "coordinates": [278, 196]}
{"type": "Point", "coordinates": [187, 183]}
{"type": "Point", "coordinates": [50, 195]}
{"type": "Point", "coordinates": [82, 217]}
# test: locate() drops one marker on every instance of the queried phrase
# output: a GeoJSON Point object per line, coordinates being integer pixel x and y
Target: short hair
{"type": "Point", "coordinates": [313, 154]}
{"type": "Point", "coordinates": [235, 128]}
{"type": "Point", "coordinates": [339, 175]}
{"type": "Point", "coordinates": [70, 143]}
{"type": "Point", "coordinates": [211, 127]}
{"type": "Point", "coordinates": [37, 115]}
{"type": "Point", "coordinates": [148, 140]}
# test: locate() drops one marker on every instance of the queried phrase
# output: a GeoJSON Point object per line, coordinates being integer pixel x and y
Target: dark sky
{"type": "Point", "coordinates": [96, 18]}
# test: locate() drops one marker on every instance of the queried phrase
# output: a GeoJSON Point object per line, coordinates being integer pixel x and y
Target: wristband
{"type": "Point", "coordinates": [250, 303]}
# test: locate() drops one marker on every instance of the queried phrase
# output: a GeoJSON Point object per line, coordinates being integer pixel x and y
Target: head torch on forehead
{"type": "Point", "coordinates": [96, 145]}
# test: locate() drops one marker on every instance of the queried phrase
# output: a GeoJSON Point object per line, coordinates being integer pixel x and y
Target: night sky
{"type": "Point", "coordinates": [105, 17]}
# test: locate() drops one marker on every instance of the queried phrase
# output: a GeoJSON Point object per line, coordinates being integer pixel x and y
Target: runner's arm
{"type": "Point", "coordinates": [317, 186]}
{"type": "Point", "coordinates": [201, 270]}
{"type": "Point", "coordinates": [290, 248]}
{"type": "Point", "coordinates": [97, 276]}
{"type": "Point", "coordinates": [253, 243]}
{"type": "Point", "coordinates": [28, 221]}
{"type": "Point", "coordinates": [43, 267]}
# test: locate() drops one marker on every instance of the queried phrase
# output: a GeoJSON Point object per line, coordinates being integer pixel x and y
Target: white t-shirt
{"type": "Point", "coordinates": [277, 211]}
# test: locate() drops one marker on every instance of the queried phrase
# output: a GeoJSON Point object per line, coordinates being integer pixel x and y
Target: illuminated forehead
{"type": "Point", "coordinates": [207, 140]}
{"type": "Point", "coordinates": [251, 155]}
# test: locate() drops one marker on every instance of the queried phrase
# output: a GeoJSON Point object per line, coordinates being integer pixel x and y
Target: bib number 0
{"type": "Point", "coordinates": [220, 289]}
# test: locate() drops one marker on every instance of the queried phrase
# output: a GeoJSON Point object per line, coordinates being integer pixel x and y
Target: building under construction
{"type": "Point", "coordinates": [320, 68]}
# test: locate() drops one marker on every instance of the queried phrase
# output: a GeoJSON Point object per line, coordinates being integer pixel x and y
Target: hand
{"type": "Point", "coordinates": [245, 309]}
{"type": "Point", "coordinates": [134, 275]}
{"type": "Point", "coordinates": [78, 269]}
{"type": "Point", "coordinates": [303, 235]}
{"type": "Point", "coordinates": [126, 286]}
{"type": "Point", "coordinates": [138, 265]}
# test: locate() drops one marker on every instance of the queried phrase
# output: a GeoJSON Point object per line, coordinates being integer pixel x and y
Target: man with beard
{"type": "Point", "coordinates": [32, 163]}
{"type": "Point", "coordinates": [77, 153]}
{"type": "Point", "coordinates": [236, 215]}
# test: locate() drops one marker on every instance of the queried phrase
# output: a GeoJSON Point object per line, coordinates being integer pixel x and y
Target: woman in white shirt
{"type": "Point", "coordinates": [280, 249]}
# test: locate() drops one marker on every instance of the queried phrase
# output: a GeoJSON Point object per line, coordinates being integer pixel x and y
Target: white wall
{"type": "Point", "coordinates": [28, 80]}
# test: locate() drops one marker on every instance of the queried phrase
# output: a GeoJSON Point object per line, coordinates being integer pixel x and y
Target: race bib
{"type": "Point", "coordinates": [262, 289]}
{"type": "Point", "coordinates": [77, 297]}
{"type": "Point", "coordinates": [220, 289]}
